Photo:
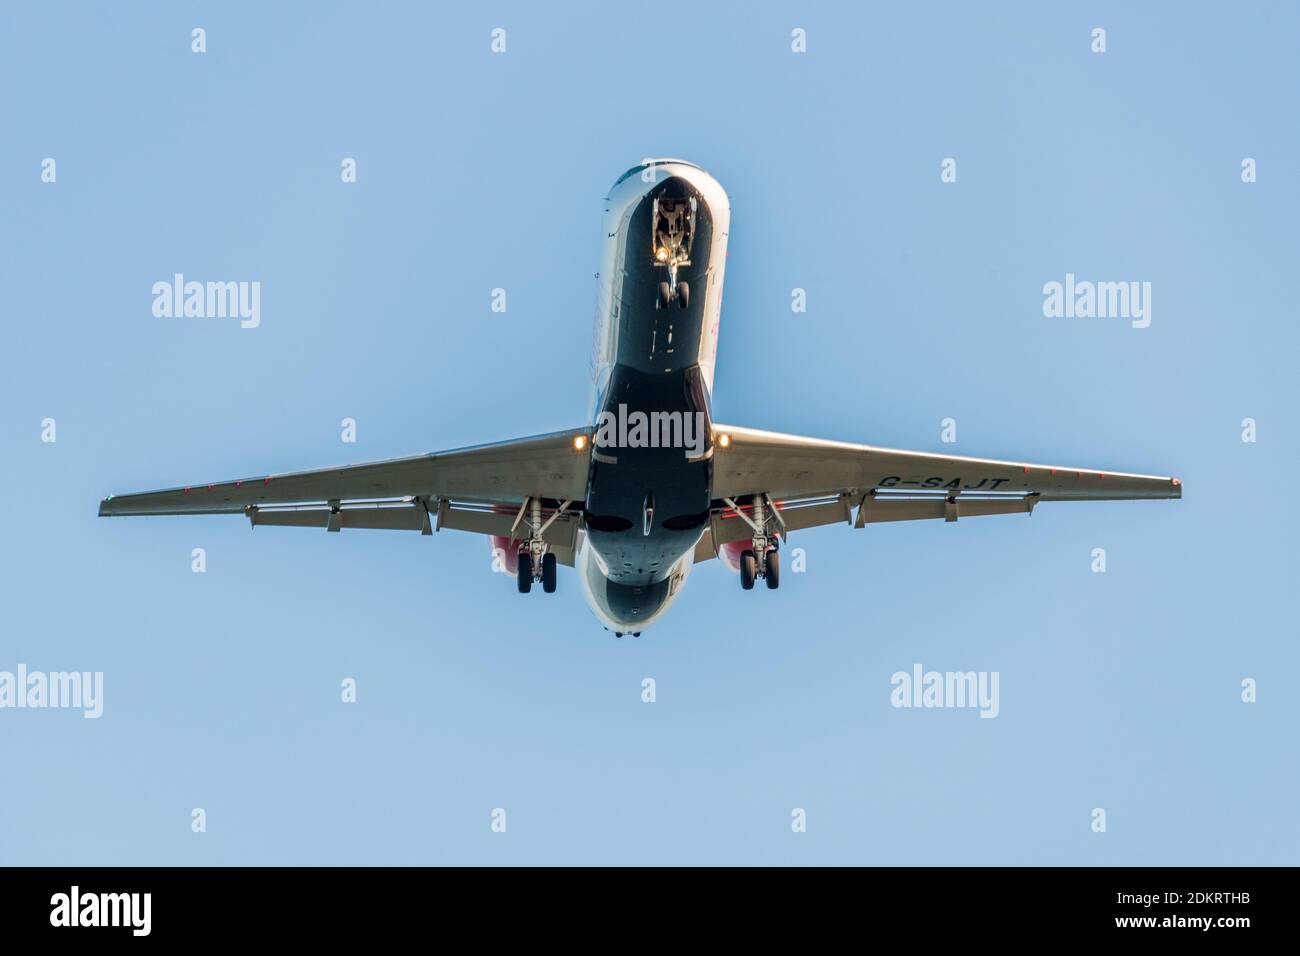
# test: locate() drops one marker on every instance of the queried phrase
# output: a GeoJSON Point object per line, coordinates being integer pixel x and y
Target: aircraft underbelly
{"type": "Point", "coordinates": [647, 507]}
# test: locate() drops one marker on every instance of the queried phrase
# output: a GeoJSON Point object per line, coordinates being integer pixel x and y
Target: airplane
{"type": "Point", "coordinates": [630, 513]}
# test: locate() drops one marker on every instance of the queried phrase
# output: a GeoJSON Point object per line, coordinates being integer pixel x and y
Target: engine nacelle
{"type": "Point", "coordinates": [729, 554]}
{"type": "Point", "coordinates": [507, 551]}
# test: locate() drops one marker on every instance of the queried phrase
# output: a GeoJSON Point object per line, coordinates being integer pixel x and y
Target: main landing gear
{"type": "Point", "coordinates": [526, 577]}
{"type": "Point", "coordinates": [762, 559]}
{"type": "Point", "coordinates": [535, 560]}
{"type": "Point", "coordinates": [770, 571]}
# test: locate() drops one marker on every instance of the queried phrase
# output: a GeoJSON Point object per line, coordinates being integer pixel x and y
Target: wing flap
{"type": "Point", "coordinates": [726, 526]}
{"type": "Point", "coordinates": [501, 521]}
{"type": "Point", "coordinates": [394, 516]}
{"type": "Point", "coordinates": [878, 507]}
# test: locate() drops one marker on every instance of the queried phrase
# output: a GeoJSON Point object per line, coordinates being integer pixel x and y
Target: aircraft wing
{"type": "Point", "coordinates": [480, 489]}
{"type": "Point", "coordinates": [813, 482]}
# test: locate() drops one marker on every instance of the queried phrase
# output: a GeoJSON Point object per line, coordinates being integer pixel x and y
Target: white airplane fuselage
{"type": "Point", "coordinates": [647, 508]}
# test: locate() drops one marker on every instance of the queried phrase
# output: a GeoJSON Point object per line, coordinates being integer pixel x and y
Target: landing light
{"type": "Point", "coordinates": [579, 442]}
{"type": "Point", "coordinates": [662, 254]}
{"type": "Point", "coordinates": [724, 440]}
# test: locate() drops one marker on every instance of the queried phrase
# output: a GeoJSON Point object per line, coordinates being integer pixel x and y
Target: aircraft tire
{"type": "Point", "coordinates": [748, 569]}
{"type": "Point", "coordinates": [772, 569]}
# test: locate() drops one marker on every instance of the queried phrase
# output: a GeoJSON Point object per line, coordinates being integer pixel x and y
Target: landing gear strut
{"type": "Point", "coordinates": [761, 559]}
{"type": "Point", "coordinates": [535, 560]}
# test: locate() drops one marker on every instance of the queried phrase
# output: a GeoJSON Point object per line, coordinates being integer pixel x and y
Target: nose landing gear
{"type": "Point", "coordinates": [672, 234]}
{"type": "Point", "coordinates": [667, 296]}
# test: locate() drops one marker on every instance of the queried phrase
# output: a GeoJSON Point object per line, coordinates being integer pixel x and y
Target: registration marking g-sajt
{"type": "Point", "coordinates": [916, 481]}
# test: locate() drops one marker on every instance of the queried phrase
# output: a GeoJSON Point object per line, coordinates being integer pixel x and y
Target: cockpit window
{"type": "Point", "coordinates": [654, 162]}
{"type": "Point", "coordinates": [630, 172]}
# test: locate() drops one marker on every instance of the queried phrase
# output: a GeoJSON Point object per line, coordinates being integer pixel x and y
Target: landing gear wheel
{"type": "Point", "coordinates": [525, 572]}
{"type": "Point", "coordinates": [665, 295]}
{"type": "Point", "coordinates": [684, 294]}
{"type": "Point", "coordinates": [548, 573]}
{"type": "Point", "coordinates": [772, 569]}
{"type": "Point", "coordinates": [748, 570]}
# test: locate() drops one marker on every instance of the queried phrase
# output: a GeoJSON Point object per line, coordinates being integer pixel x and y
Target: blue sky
{"type": "Point", "coordinates": [1118, 690]}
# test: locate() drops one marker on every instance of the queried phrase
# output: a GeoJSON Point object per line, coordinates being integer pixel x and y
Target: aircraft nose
{"type": "Point", "coordinates": [654, 171]}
